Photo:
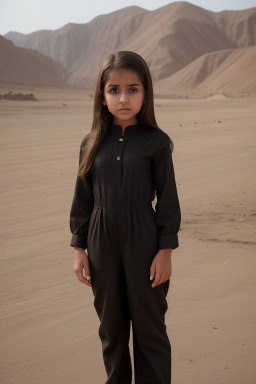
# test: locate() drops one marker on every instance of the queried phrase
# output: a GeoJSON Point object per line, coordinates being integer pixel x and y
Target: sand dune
{"type": "Point", "coordinates": [169, 38]}
{"type": "Point", "coordinates": [26, 66]}
{"type": "Point", "coordinates": [231, 71]}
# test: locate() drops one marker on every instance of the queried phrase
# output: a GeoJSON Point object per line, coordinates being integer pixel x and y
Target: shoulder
{"type": "Point", "coordinates": [85, 140]}
{"type": "Point", "coordinates": [83, 147]}
{"type": "Point", "coordinates": [159, 138]}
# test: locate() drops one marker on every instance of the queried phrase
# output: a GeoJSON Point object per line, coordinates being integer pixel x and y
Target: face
{"type": "Point", "coordinates": [124, 96]}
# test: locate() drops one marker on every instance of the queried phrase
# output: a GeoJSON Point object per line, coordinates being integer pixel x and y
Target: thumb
{"type": "Point", "coordinates": [153, 270]}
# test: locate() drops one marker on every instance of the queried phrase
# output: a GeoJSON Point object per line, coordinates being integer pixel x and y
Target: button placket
{"type": "Point", "coordinates": [118, 166]}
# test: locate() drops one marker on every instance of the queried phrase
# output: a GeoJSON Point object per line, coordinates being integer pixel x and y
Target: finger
{"type": "Point", "coordinates": [156, 280]}
{"type": "Point", "coordinates": [87, 272]}
{"type": "Point", "coordinates": [88, 284]}
{"type": "Point", "coordinates": [152, 270]}
{"type": "Point", "coordinates": [165, 278]}
{"type": "Point", "coordinates": [87, 268]}
{"type": "Point", "coordinates": [83, 280]}
{"type": "Point", "coordinates": [168, 276]}
{"type": "Point", "coordinates": [162, 279]}
{"type": "Point", "coordinates": [80, 276]}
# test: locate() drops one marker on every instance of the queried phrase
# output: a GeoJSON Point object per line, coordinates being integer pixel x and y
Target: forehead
{"type": "Point", "coordinates": [123, 77]}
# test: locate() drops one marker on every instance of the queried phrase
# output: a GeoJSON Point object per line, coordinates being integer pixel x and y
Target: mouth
{"type": "Point", "coordinates": [124, 109]}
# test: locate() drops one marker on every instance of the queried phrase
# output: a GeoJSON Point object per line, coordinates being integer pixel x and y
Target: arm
{"type": "Point", "coordinates": [80, 214]}
{"type": "Point", "coordinates": [168, 215]}
{"type": "Point", "coordinates": [81, 209]}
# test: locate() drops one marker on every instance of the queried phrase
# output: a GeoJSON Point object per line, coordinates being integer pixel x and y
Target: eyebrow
{"type": "Point", "coordinates": [128, 85]}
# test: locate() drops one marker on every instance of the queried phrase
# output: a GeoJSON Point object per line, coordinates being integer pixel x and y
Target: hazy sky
{"type": "Point", "coordinates": [31, 15]}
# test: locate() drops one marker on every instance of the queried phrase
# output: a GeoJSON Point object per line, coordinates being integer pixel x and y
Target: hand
{"type": "Point", "coordinates": [161, 267]}
{"type": "Point", "coordinates": [81, 264]}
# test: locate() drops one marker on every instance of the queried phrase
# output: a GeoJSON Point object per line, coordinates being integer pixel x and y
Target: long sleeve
{"type": "Point", "coordinates": [81, 209]}
{"type": "Point", "coordinates": [168, 215]}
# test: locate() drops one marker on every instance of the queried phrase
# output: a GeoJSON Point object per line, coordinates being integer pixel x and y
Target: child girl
{"type": "Point", "coordinates": [124, 161]}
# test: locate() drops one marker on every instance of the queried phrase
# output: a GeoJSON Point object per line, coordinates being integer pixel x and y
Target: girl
{"type": "Point", "coordinates": [124, 161]}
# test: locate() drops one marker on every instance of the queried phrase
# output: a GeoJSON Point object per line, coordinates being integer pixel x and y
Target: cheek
{"type": "Point", "coordinates": [108, 101]}
{"type": "Point", "coordinates": [105, 100]}
{"type": "Point", "coordinates": [140, 100]}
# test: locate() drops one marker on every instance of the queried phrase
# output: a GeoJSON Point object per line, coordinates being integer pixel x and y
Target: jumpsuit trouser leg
{"type": "Point", "coordinates": [121, 247]}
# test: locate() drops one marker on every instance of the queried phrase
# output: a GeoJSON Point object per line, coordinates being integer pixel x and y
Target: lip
{"type": "Point", "coordinates": [124, 109]}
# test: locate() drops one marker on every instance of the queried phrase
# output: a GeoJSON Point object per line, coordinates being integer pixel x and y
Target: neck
{"type": "Point", "coordinates": [125, 124]}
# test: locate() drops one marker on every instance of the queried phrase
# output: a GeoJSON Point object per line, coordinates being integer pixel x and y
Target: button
{"type": "Point", "coordinates": [121, 139]}
{"type": "Point", "coordinates": [118, 158]}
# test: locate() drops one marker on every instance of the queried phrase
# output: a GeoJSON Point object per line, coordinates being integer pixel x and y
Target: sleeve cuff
{"type": "Point", "coordinates": [168, 241]}
{"type": "Point", "coordinates": [78, 241]}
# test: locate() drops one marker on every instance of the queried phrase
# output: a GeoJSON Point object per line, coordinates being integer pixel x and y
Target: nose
{"type": "Point", "coordinates": [123, 98]}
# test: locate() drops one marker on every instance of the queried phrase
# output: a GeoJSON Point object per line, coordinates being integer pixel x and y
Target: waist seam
{"type": "Point", "coordinates": [139, 208]}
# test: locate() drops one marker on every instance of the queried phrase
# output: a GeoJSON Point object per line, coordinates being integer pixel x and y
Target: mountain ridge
{"type": "Point", "coordinates": [187, 33]}
{"type": "Point", "coordinates": [214, 73]}
{"type": "Point", "coordinates": [26, 66]}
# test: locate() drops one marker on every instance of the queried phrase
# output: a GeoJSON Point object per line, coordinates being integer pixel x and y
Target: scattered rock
{"type": "Point", "coordinates": [18, 96]}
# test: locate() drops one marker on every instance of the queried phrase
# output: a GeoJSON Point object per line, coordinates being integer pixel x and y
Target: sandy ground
{"type": "Point", "coordinates": [49, 328]}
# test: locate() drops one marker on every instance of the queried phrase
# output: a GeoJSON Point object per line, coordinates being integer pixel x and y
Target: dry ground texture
{"type": "Point", "coordinates": [49, 328]}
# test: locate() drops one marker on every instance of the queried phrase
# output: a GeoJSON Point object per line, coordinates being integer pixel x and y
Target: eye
{"type": "Point", "coordinates": [114, 90]}
{"type": "Point", "coordinates": [133, 90]}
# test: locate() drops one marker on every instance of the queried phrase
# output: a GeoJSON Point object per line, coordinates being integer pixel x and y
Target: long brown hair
{"type": "Point", "coordinates": [102, 118]}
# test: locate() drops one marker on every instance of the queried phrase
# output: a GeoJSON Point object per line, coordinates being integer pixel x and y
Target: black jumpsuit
{"type": "Point", "coordinates": [112, 216]}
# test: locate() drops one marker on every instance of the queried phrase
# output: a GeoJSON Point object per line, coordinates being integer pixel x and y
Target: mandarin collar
{"type": "Point", "coordinates": [115, 128]}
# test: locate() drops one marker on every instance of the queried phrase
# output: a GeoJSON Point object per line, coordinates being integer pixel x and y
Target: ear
{"type": "Point", "coordinates": [104, 102]}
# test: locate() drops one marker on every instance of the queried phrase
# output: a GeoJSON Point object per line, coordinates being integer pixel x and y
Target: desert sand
{"type": "Point", "coordinates": [49, 328]}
